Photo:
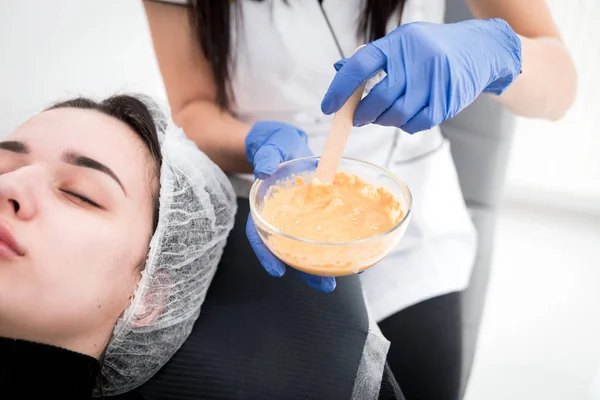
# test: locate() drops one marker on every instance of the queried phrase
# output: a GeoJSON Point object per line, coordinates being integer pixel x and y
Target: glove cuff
{"type": "Point", "coordinates": [508, 67]}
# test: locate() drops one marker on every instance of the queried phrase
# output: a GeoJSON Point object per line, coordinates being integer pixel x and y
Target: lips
{"type": "Point", "coordinates": [8, 244]}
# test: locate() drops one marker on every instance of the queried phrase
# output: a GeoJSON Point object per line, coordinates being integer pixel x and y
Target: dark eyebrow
{"type": "Point", "coordinates": [79, 160]}
{"type": "Point", "coordinates": [14, 146]}
{"type": "Point", "coordinates": [70, 157]}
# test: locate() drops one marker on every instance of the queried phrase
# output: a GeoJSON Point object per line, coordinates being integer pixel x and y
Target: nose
{"type": "Point", "coordinates": [17, 193]}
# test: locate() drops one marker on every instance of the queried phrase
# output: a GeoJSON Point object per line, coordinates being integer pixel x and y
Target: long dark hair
{"type": "Point", "coordinates": [212, 20]}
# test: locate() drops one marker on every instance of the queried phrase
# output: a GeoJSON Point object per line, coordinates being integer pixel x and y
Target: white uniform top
{"type": "Point", "coordinates": [284, 65]}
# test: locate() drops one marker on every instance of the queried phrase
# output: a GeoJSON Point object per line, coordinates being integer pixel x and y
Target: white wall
{"type": "Point", "coordinates": [51, 50]}
{"type": "Point", "coordinates": [539, 338]}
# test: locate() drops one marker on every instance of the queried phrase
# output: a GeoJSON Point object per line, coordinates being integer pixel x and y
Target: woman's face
{"type": "Point", "coordinates": [76, 190]}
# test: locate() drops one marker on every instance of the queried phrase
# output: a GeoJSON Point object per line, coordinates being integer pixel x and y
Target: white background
{"type": "Point", "coordinates": [541, 333]}
{"type": "Point", "coordinates": [560, 161]}
{"type": "Point", "coordinates": [51, 50]}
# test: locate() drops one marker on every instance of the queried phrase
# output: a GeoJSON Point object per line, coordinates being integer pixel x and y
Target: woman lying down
{"type": "Point", "coordinates": [111, 227]}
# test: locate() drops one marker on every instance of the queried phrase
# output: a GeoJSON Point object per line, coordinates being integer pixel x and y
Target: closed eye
{"type": "Point", "coordinates": [82, 198]}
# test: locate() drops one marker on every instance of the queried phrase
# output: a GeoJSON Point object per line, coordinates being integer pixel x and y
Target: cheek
{"type": "Point", "coordinates": [88, 267]}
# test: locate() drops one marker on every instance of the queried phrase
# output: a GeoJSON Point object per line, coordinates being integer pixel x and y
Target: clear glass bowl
{"type": "Point", "coordinates": [330, 258]}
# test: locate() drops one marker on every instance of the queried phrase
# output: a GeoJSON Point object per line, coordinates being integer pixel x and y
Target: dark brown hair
{"type": "Point", "coordinates": [212, 21]}
{"type": "Point", "coordinates": [136, 113]}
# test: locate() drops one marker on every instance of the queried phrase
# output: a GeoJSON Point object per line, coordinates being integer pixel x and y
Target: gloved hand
{"type": "Point", "coordinates": [268, 144]}
{"type": "Point", "coordinates": [433, 72]}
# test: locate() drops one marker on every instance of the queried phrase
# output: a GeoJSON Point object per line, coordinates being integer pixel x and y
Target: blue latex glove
{"type": "Point", "coordinates": [268, 144]}
{"type": "Point", "coordinates": [433, 72]}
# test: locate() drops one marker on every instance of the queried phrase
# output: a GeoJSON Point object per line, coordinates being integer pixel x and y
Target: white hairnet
{"type": "Point", "coordinates": [197, 205]}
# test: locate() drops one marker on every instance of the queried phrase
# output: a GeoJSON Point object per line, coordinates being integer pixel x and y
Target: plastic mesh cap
{"type": "Point", "coordinates": [197, 206]}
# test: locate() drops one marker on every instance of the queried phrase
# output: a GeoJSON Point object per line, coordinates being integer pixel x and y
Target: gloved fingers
{"type": "Point", "coordinates": [421, 122]}
{"type": "Point", "coordinates": [338, 64]}
{"type": "Point", "coordinates": [291, 142]}
{"type": "Point", "coordinates": [321, 283]}
{"type": "Point", "coordinates": [414, 99]}
{"type": "Point", "coordinates": [266, 160]}
{"type": "Point", "coordinates": [276, 267]}
{"type": "Point", "coordinates": [270, 143]}
{"type": "Point", "coordinates": [397, 115]}
{"type": "Point", "coordinates": [435, 111]}
{"type": "Point", "coordinates": [363, 65]}
{"type": "Point", "coordinates": [379, 100]}
{"type": "Point", "coordinates": [287, 137]}
{"type": "Point", "coordinates": [270, 263]}
{"type": "Point", "coordinates": [257, 136]}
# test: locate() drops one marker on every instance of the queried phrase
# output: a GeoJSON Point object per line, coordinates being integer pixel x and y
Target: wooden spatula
{"type": "Point", "coordinates": [337, 138]}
